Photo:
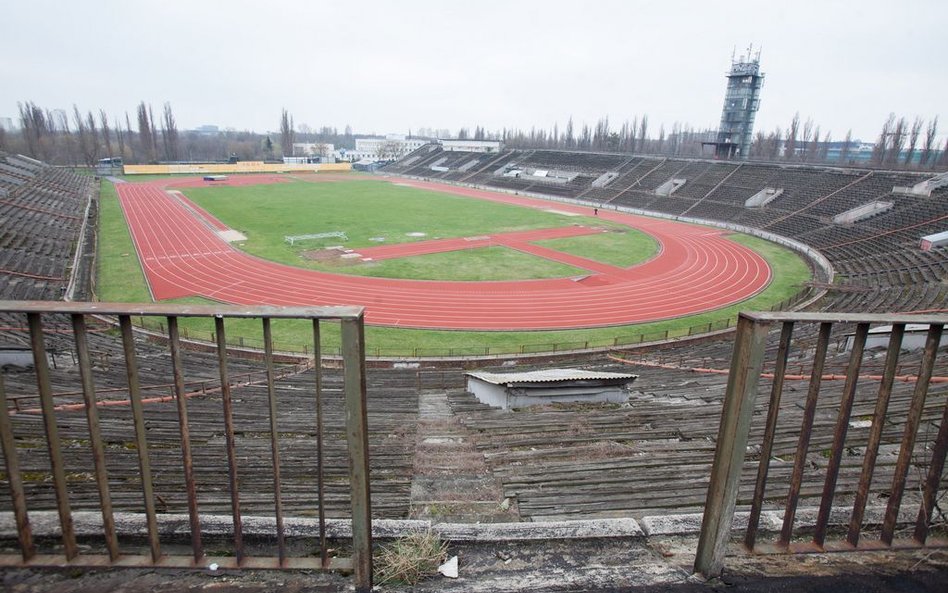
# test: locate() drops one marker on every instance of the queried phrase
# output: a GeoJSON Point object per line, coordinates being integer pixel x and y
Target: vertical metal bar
{"type": "Point", "coordinates": [274, 438]}
{"type": "Point", "coordinates": [875, 433]}
{"type": "Point", "coordinates": [911, 428]}
{"type": "Point", "coordinates": [186, 458]}
{"type": "Point", "coordinates": [809, 412]}
{"type": "Point", "coordinates": [95, 435]}
{"type": "Point", "coordinates": [23, 531]}
{"type": "Point", "coordinates": [229, 439]}
{"type": "Point", "coordinates": [783, 351]}
{"type": "Point", "coordinates": [141, 441]}
{"type": "Point", "coordinates": [731, 448]}
{"type": "Point", "coordinates": [353, 349]}
{"type": "Point", "coordinates": [52, 435]}
{"type": "Point", "coordinates": [839, 433]}
{"type": "Point", "coordinates": [318, 368]}
{"type": "Point", "coordinates": [932, 480]}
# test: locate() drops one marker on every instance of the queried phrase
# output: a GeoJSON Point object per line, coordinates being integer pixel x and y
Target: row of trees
{"type": "Point", "coordinates": [900, 144]}
{"type": "Point", "coordinates": [50, 135]}
{"type": "Point", "coordinates": [83, 138]}
{"type": "Point", "coordinates": [632, 136]}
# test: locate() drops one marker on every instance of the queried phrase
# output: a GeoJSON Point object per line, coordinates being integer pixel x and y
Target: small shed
{"type": "Point", "coordinates": [518, 390]}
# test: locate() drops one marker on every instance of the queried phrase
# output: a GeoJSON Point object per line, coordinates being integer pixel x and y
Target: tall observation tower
{"type": "Point", "coordinates": [741, 102]}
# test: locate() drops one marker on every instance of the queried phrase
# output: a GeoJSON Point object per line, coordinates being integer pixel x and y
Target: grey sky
{"type": "Point", "coordinates": [395, 66]}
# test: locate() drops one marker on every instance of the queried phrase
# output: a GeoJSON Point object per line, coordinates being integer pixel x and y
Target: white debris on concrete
{"type": "Point", "coordinates": [450, 568]}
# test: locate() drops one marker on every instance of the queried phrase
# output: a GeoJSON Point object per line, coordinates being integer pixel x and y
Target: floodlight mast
{"type": "Point", "coordinates": [741, 102]}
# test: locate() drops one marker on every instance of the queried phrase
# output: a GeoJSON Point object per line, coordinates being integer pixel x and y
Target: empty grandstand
{"type": "Point", "coordinates": [438, 453]}
{"type": "Point", "coordinates": [45, 211]}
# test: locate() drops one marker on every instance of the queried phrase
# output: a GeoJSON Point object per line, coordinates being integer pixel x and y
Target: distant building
{"type": "Point", "coordinates": [109, 166]}
{"type": "Point", "coordinates": [322, 152]}
{"type": "Point", "coordinates": [207, 130]}
{"type": "Point", "coordinates": [389, 148]}
{"type": "Point", "coordinates": [484, 146]}
{"type": "Point", "coordinates": [741, 102]}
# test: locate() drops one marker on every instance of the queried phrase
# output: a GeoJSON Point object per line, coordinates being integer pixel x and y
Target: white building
{"type": "Point", "coordinates": [390, 147]}
{"type": "Point", "coordinates": [484, 146]}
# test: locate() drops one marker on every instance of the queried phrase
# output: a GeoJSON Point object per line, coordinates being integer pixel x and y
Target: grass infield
{"type": "Point", "coordinates": [268, 212]}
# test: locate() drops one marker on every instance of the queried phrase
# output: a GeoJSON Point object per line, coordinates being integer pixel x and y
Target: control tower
{"type": "Point", "coordinates": [741, 102]}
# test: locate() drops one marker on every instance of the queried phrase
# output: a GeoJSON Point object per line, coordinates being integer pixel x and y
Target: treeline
{"type": "Point", "coordinates": [901, 144]}
{"type": "Point", "coordinates": [633, 135]}
{"type": "Point", "coordinates": [83, 137]}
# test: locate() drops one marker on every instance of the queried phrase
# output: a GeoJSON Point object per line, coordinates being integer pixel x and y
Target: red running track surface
{"type": "Point", "coordinates": [697, 270]}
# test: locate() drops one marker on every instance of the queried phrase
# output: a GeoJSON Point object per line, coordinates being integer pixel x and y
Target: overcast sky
{"type": "Point", "coordinates": [394, 66]}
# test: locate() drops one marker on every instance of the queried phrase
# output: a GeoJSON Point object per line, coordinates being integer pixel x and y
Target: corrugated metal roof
{"type": "Point", "coordinates": [547, 376]}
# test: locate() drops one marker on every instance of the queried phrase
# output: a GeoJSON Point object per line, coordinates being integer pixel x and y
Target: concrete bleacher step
{"type": "Point", "coordinates": [451, 480]}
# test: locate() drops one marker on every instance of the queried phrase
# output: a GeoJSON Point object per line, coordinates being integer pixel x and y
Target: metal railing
{"type": "Point", "coordinates": [354, 390]}
{"type": "Point", "coordinates": [739, 410]}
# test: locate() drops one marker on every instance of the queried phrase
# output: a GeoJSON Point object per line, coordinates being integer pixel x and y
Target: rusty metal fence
{"type": "Point", "coordinates": [739, 412]}
{"type": "Point", "coordinates": [354, 388]}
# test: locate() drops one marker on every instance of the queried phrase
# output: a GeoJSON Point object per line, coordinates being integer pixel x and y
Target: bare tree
{"type": "Point", "coordinates": [286, 133]}
{"type": "Point", "coordinates": [128, 133]}
{"type": "Point", "coordinates": [169, 134]}
{"type": "Point", "coordinates": [154, 131]}
{"type": "Point", "coordinates": [824, 147]}
{"type": "Point", "coordinates": [844, 151]}
{"type": "Point", "coordinates": [805, 144]}
{"type": "Point", "coordinates": [643, 133]}
{"type": "Point", "coordinates": [145, 136]}
{"type": "Point", "coordinates": [757, 147]}
{"type": "Point", "coordinates": [881, 148]}
{"type": "Point", "coordinates": [813, 150]}
{"type": "Point", "coordinates": [790, 146]}
{"type": "Point", "coordinates": [943, 159]}
{"type": "Point", "coordinates": [82, 134]}
{"type": "Point", "coordinates": [634, 126]}
{"type": "Point", "coordinates": [106, 132]}
{"type": "Point", "coordinates": [585, 138]}
{"type": "Point", "coordinates": [928, 152]}
{"type": "Point", "coordinates": [773, 143]}
{"type": "Point", "coordinates": [601, 133]}
{"type": "Point", "coordinates": [120, 138]}
{"type": "Point", "coordinates": [898, 142]}
{"type": "Point", "coordinates": [93, 140]}
{"type": "Point", "coordinates": [37, 130]}
{"type": "Point", "coordinates": [914, 133]}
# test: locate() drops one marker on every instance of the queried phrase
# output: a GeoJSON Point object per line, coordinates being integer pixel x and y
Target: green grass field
{"type": "Point", "coordinates": [267, 213]}
{"type": "Point", "coordinates": [403, 215]}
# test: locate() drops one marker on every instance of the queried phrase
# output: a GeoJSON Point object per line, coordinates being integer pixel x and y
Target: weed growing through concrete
{"type": "Point", "coordinates": [410, 559]}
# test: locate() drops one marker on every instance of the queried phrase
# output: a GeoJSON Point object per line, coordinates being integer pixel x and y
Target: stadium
{"type": "Point", "coordinates": [207, 363]}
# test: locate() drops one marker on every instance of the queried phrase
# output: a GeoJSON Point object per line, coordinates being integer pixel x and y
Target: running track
{"type": "Point", "coordinates": [697, 270]}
